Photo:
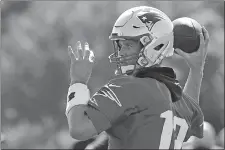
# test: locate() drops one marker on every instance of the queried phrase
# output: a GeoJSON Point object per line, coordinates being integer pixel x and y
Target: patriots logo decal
{"type": "Point", "coordinates": [93, 100]}
{"type": "Point", "coordinates": [150, 18]}
{"type": "Point", "coordinates": [106, 91]}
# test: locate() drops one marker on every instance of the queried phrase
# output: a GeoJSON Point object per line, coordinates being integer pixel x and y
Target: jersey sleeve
{"type": "Point", "coordinates": [108, 106]}
{"type": "Point", "coordinates": [190, 110]}
{"type": "Point", "coordinates": [197, 118]}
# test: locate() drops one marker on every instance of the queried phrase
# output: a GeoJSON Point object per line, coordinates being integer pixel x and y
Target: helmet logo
{"type": "Point", "coordinates": [150, 18]}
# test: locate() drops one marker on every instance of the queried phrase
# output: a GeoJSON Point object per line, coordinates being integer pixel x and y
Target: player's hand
{"type": "Point", "coordinates": [196, 60]}
{"type": "Point", "coordinates": [82, 61]}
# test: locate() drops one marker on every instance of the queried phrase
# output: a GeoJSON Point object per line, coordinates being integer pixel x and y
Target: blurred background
{"type": "Point", "coordinates": [35, 63]}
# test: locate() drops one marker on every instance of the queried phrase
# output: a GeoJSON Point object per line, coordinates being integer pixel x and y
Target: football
{"type": "Point", "coordinates": [187, 34]}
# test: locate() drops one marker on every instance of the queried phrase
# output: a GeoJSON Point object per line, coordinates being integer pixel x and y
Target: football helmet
{"type": "Point", "coordinates": [152, 28]}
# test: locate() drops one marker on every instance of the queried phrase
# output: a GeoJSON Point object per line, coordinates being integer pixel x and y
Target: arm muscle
{"type": "Point", "coordinates": [80, 125]}
{"type": "Point", "coordinates": [193, 84]}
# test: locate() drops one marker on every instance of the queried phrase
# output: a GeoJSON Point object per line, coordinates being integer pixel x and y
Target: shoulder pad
{"type": "Point", "coordinates": [121, 80]}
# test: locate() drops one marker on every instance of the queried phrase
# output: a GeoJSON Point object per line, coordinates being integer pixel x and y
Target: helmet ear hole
{"type": "Point", "coordinates": [157, 48]}
{"type": "Point", "coordinates": [135, 26]}
{"type": "Point", "coordinates": [145, 40]}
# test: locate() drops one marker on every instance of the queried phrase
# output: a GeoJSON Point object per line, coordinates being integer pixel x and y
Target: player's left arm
{"type": "Point", "coordinates": [80, 126]}
{"type": "Point", "coordinates": [82, 61]}
{"type": "Point", "coordinates": [196, 62]}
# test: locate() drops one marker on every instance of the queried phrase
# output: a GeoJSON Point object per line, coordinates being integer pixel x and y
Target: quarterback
{"type": "Point", "coordinates": [143, 106]}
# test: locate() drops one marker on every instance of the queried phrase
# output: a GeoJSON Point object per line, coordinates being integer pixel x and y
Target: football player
{"type": "Point", "coordinates": [144, 106]}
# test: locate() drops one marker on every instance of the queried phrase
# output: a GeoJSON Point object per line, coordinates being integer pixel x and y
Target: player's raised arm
{"type": "Point", "coordinates": [196, 62]}
{"type": "Point", "coordinates": [80, 126]}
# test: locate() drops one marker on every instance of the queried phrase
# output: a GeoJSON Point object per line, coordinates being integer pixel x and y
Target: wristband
{"type": "Point", "coordinates": [78, 94]}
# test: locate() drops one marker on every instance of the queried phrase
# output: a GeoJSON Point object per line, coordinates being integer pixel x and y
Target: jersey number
{"type": "Point", "coordinates": [169, 127]}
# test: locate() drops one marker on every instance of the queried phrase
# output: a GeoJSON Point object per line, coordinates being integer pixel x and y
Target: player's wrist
{"type": "Point", "coordinates": [197, 71]}
{"type": "Point", "coordinates": [78, 94]}
{"type": "Point", "coordinates": [77, 81]}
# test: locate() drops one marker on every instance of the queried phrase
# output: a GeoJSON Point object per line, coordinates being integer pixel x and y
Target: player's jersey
{"type": "Point", "coordinates": [188, 109]}
{"type": "Point", "coordinates": [136, 114]}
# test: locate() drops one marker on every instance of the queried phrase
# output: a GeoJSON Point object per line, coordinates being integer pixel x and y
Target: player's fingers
{"type": "Point", "coordinates": [86, 51]}
{"type": "Point", "coordinates": [203, 42]}
{"type": "Point", "coordinates": [181, 53]}
{"type": "Point", "coordinates": [71, 53]}
{"type": "Point", "coordinates": [206, 35]}
{"type": "Point", "coordinates": [202, 38]}
{"type": "Point", "coordinates": [79, 50]}
{"type": "Point", "coordinates": [91, 56]}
